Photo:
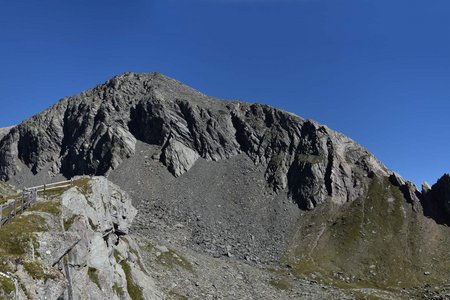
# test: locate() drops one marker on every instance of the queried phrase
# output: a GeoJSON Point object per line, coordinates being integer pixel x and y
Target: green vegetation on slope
{"type": "Point", "coordinates": [376, 241]}
{"type": "Point", "coordinates": [17, 237]}
{"type": "Point", "coordinates": [83, 185]}
{"type": "Point", "coordinates": [170, 258]}
{"type": "Point", "coordinates": [36, 270]}
{"type": "Point", "coordinates": [52, 207]}
{"type": "Point", "coordinates": [133, 290]}
{"type": "Point", "coordinates": [92, 273]}
{"type": "Point", "coordinates": [7, 285]}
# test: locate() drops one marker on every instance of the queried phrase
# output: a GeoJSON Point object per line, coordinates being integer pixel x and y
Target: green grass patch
{"type": "Point", "coordinates": [173, 259]}
{"type": "Point", "coordinates": [68, 222]}
{"type": "Point", "coordinates": [372, 241]}
{"type": "Point", "coordinates": [10, 210]}
{"type": "Point", "coordinates": [53, 193]}
{"type": "Point", "coordinates": [7, 285]}
{"type": "Point", "coordinates": [6, 263]}
{"type": "Point", "coordinates": [16, 236]}
{"type": "Point", "coordinates": [51, 207]}
{"type": "Point", "coordinates": [93, 226]}
{"type": "Point", "coordinates": [116, 254]}
{"type": "Point", "coordinates": [93, 275]}
{"type": "Point", "coordinates": [134, 291]}
{"type": "Point", "coordinates": [36, 270]}
{"type": "Point", "coordinates": [170, 259]}
{"type": "Point", "coordinates": [83, 185]}
{"type": "Point", "coordinates": [26, 291]}
{"type": "Point", "coordinates": [6, 198]}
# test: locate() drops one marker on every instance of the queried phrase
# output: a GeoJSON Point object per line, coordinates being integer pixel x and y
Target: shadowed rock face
{"type": "Point", "coordinates": [92, 133]}
{"type": "Point", "coordinates": [436, 200]}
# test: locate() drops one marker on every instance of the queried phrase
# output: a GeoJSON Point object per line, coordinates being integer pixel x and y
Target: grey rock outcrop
{"type": "Point", "coordinates": [408, 189]}
{"type": "Point", "coordinates": [101, 219]}
{"type": "Point", "coordinates": [92, 133]}
{"type": "Point", "coordinates": [84, 252]}
{"type": "Point", "coordinates": [106, 207]}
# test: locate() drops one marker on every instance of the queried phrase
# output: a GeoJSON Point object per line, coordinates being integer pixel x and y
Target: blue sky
{"type": "Point", "coordinates": [376, 70]}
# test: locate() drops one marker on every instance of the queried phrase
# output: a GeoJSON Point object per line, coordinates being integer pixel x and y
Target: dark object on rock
{"type": "Point", "coordinates": [436, 201]}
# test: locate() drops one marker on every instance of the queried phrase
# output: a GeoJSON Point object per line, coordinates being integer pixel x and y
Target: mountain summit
{"type": "Point", "coordinates": [92, 133]}
{"type": "Point", "coordinates": [238, 181]}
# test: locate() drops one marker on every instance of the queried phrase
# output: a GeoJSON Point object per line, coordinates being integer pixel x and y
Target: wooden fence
{"type": "Point", "coordinates": [28, 197]}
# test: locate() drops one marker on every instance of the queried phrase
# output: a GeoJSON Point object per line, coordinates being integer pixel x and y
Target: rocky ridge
{"type": "Point", "coordinates": [94, 132]}
{"type": "Point", "coordinates": [75, 246]}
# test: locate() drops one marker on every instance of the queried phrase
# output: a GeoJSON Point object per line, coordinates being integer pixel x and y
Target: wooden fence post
{"type": "Point", "coordinates": [28, 198]}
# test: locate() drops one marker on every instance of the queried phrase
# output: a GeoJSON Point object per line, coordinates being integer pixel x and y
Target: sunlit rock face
{"type": "Point", "coordinates": [79, 248]}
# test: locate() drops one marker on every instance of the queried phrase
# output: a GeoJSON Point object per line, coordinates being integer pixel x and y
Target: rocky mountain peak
{"type": "Point", "coordinates": [231, 179]}
{"type": "Point", "coordinates": [92, 133]}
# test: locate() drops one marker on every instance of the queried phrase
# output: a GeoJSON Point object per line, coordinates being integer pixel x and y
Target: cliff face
{"type": "Point", "coordinates": [441, 193]}
{"type": "Point", "coordinates": [436, 200]}
{"type": "Point", "coordinates": [94, 132]}
{"type": "Point", "coordinates": [74, 245]}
